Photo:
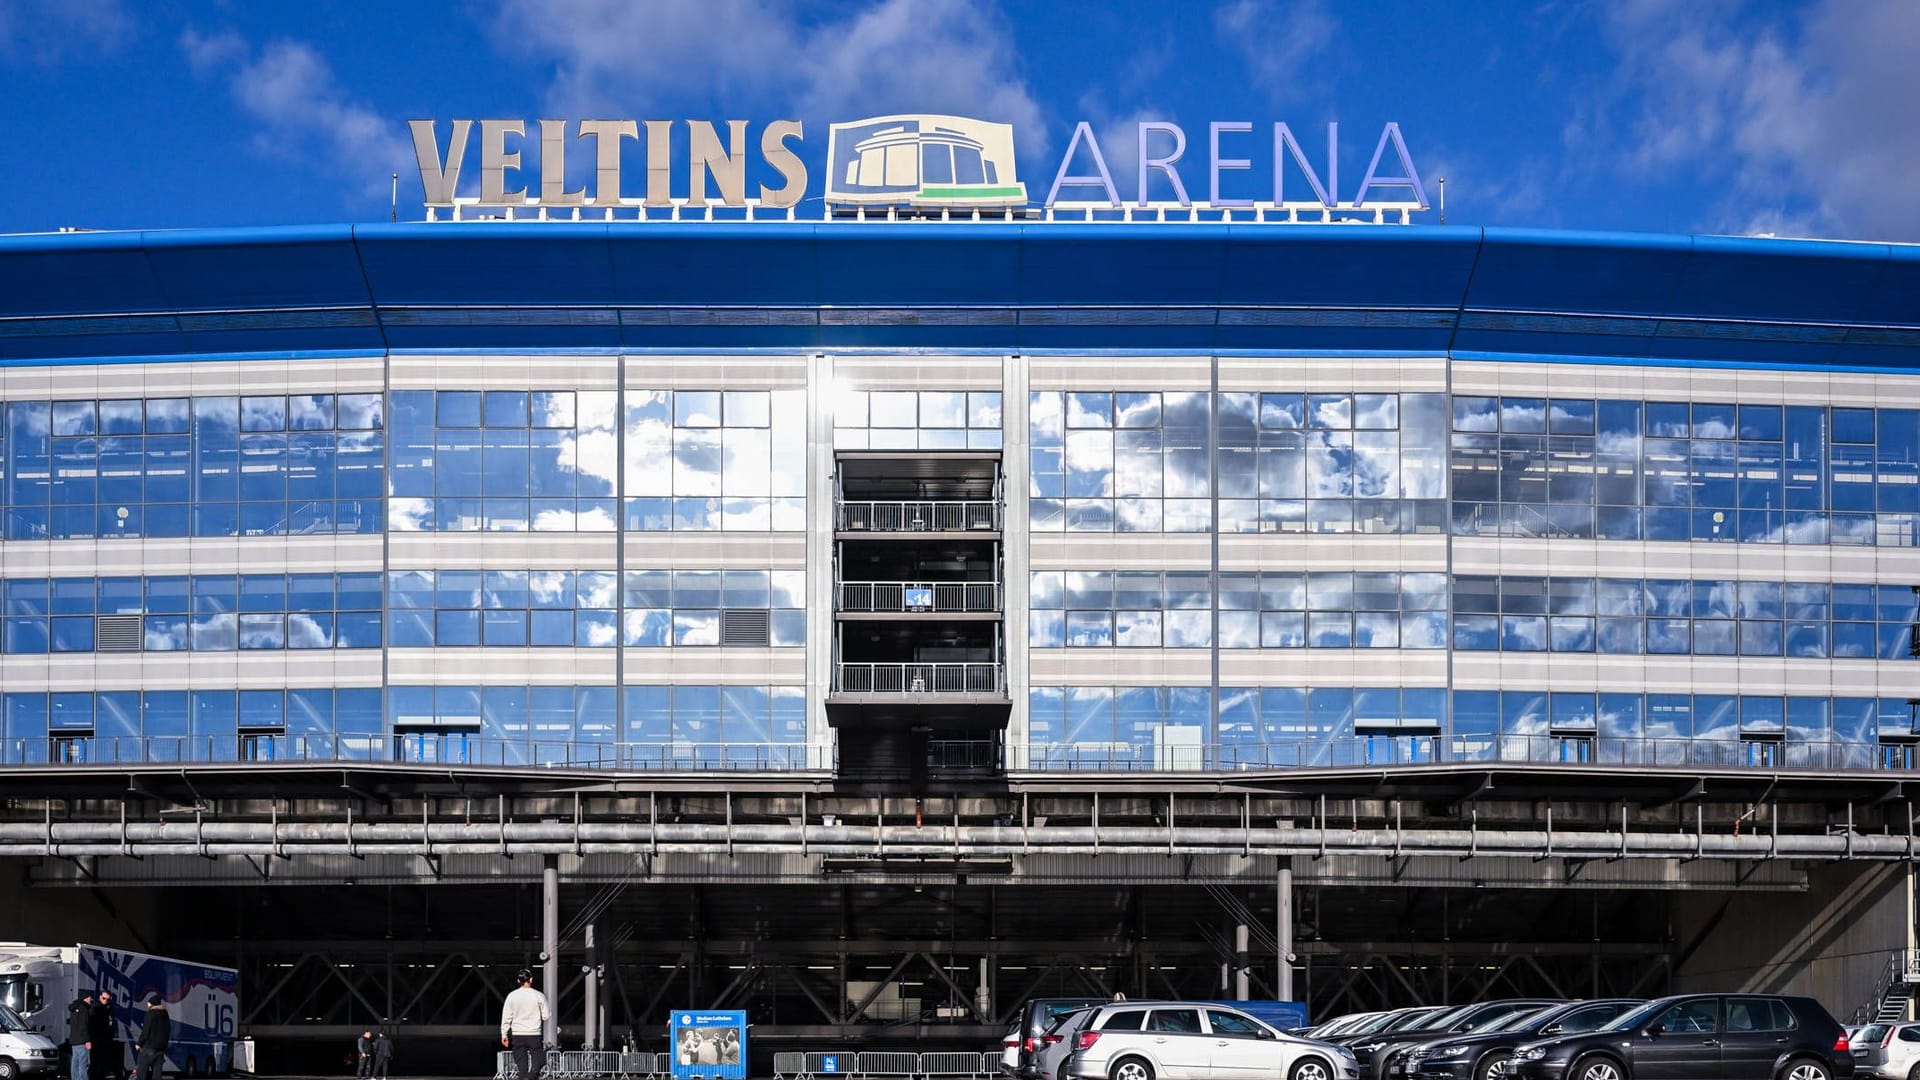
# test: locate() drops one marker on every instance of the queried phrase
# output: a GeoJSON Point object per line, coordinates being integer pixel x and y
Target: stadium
{"type": "Point", "coordinates": [869, 625]}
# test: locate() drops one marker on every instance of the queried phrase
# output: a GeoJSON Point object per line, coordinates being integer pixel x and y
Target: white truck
{"type": "Point", "coordinates": [39, 982]}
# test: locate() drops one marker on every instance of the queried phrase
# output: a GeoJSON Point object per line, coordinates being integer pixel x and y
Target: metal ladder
{"type": "Point", "coordinates": [1894, 993]}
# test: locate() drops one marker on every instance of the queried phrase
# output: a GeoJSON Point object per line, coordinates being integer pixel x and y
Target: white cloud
{"type": "Point", "coordinates": [1277, 39]}
{"type": "Point", "coordinates": [611, 57]}
{"type": "Point", "coordinates": [1808, 123]}
{"type": "Point", "coordinates": [303, 111]}
{"type": "Point", "coordinates": [46, 32]}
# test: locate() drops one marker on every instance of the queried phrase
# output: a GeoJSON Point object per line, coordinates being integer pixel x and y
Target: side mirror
{"type": "Point", "coordinates": [1551, 1029]}
{"type": "Point", "coordinates": [1656, 1031]}
{"type": "Point", "coordinates": [1263, 1033]}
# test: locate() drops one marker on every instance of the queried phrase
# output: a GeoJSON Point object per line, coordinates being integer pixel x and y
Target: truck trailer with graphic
{"type": "Point", "coordinates": [39, 982]}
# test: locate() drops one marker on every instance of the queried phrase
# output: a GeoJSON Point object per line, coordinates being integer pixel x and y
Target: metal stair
{"type": "Point", "coordinates": [1894, 993]}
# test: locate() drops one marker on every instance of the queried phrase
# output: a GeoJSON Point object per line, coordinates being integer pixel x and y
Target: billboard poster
{"type": "Point", "coordinates": [709, 1045]}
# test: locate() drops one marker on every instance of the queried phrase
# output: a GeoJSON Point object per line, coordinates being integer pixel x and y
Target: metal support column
{"type": "Point", "coordinates": [550, 942]}
{"type": "Point", "coordinates": [1240, 962]}
{"type": "Point", "coordinates": [1283, 931]}
{"type": "Point", "coordinates": [590, 1024]}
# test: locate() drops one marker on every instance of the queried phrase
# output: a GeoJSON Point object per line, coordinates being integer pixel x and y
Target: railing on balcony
{"type": "Point", "coordinates": [416, 747]}
{"type": "Point", "coordinates": [941, 678]}
{"type": "Point", "coordinates": [920, 515]}
{"type": "Point", "coordinates": [935, 596]}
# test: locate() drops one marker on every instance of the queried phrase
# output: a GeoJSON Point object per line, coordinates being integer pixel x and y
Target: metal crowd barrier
{"type": "Point", "coordinates": [886, 1063]}
{"type": "Point", "coordinates": [828, 1063]}
{"type": "Point", "coordinates": [787, 1065]}
{"type": "Point", "coordinates": [950, 1064]}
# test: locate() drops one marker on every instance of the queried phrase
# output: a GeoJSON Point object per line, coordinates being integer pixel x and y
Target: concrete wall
{"type": "Point", "coordinates": [122, 918]}
{"type": "Point", "coordinates": [1831, 943]}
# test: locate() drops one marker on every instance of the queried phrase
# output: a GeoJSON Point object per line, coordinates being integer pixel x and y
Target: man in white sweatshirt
{"type": "Point", "coordinates": [523, 1023]}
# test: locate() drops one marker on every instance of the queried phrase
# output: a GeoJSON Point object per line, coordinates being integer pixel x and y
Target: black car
{"type": "Point", "coordinates": [1730, 1036]}
{"type": "Point", "coordinates": [1023, 1040]}
{"type": "Point", "coordinates": [1376, 1053]}
{"type": "Point", "coordinates": [1486, 1055]}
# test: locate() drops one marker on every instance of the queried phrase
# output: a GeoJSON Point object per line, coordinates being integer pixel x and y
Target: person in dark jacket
{"type": "Point", "coordinates": [106, 1043]}
{"type": "Point", "coordinates": [79, 1012]}
{"type": "Point", "coordinates": [150, 1063]}
{"type": "Point", "coordinates": [382, 1055]}
{"type": "Point", "coordinates": [363, 1048]}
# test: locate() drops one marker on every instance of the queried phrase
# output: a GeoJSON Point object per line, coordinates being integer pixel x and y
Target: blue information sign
{"type": "Point", "coordinates": [709, 1045]}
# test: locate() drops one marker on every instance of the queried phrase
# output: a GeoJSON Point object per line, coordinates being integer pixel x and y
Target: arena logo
{"type": "Point", "coordinates": [923, 161]}
{"type": "Point", "coordinates": [918, 160]}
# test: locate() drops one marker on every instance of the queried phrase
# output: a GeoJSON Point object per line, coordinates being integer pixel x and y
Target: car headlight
{"type": "Point", "coordinates": [1453, 1051]}
{"type": "Point", "coordinates": [1531, 1053]}
{"type": "Point", "coordinates": [1369, 1047]}
{"type": "Point", "coordinates": [1345, 1053]}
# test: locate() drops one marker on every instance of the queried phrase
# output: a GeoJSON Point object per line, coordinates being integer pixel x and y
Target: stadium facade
{"type": "Point", "coordinates": [1333, 530]}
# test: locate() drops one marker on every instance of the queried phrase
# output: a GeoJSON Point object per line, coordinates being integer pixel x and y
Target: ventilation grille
{"type": "Point", "coordinates": [118, 633]}
{"type": "Point", "coordinates": [743, 626]}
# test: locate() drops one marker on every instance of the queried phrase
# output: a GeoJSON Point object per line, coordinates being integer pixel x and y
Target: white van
{"type": "Point", "coordinates": [24, 1052]}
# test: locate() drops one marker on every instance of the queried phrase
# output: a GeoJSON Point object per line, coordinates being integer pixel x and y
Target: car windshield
{"type": "Point", "coordinates": [1374, 1025]}
{"type": "Point", "coordinates": [10, 1020]}
{"type": "Point", "coordinates": [1446, 1019]}
{"type": "Point", "coordinates": [1496, 1017]}
{"type": "Point", "coordinates": [1067, 1021]}
{"type": "Point", "coordinates": [1635, 1017]}
{"type": "Point", "coordinates": [1525, 1017]}
{"type": "Point", "coordinates": [1410, 1019]}
{"type": "Point", "coordinates": [1872, 1033]}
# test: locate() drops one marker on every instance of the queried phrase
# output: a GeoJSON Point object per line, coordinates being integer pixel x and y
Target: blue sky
{"type": "Point", "coordinates": [1667, 115]}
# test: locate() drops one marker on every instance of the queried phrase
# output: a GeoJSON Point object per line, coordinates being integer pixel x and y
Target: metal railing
{"type": "Point", "coordinates": [934, 596]}
{"type": "Point", "coordinates": [1424, 749]}
{"type": "Point", "coordinates": [941, 678]}
{"type": "Point", "coordinates": [440, 748]}
{"type": "Point", "coordinates": [920, 515]}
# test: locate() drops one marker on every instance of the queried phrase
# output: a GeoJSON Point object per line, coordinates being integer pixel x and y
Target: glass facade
{"type": "Point", "coordinates": [1675, 470]}
{"type": "Point", "coordinates": [126, 468]}
{"type": "Point", "coordinates": [1257, 543]}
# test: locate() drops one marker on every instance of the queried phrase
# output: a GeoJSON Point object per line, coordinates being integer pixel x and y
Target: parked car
{"type": "Point", "coordinates": [1377, 1023]}
{"type": "Point", "coordinates": [1184, 1040]}
{"type": "Point", "coordinates": [1886, 1051]}
{"type": "Point", "coordinates": [1376, 1052]}
{"type": "Point", "coordinates": [1022, 1041]}
{"type": "Point", "coordinates": [1730, 1036]}
{"type": "Point", "coordinates": [1057, 1042]}
{"type": "Point", "coordinates": [1485, 1055]}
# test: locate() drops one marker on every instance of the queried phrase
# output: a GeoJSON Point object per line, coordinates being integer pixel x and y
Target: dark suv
{"type": "Point", "coordinates": [1484, 1055]}
{"type": "Point", "coordinates": [1023, 1041]}
{"type": "Point", "coordinates": [1378, 1053]}
{"type": "Point", "coordinates": [1730, 1036]}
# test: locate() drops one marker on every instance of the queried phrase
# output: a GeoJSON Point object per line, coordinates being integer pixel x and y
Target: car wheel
{"type": "Point", "coordinates": [1807, 1069]}
{"type": "Point", "coordinates": [8, 1070]}
{"type": "Point", "coordinates": [1131, 1069]}
{"type": "Point", "coordinates": [1495, 1067]}
{"type": "Point", "coordinates": [1310, 1068]}
{"type": "Point", "coordinates": [1914, 1073]}
{"type": "Point", "coordinates": [1599, 1069]}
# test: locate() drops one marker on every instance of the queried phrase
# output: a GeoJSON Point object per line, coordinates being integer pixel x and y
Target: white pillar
{"type": "Point", "coordinates": [1283, 931]}
{"type": "Point", "coordinates": [1240, 962]}
{"type": "Point", "coordinates": [590, 1027]}
{"type": "Point", "coordinates": [550, 943]}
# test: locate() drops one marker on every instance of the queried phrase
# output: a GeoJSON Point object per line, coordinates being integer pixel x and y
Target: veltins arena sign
{"type": "Point", "coordinates": [909, 160]}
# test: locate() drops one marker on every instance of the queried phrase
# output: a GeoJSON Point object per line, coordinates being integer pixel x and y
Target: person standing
{"type": "Point", "coordinates": [105, 1054]}
{"type": "Point", "coordinates": [523, 1025]}
{"type": "Point", "coordinates": [382, 1054]}
{"type": "Point", "coordinates": [364, 1046]}
{"type": "Point", "coordinates": [156, 1034]}
{"type": "Point", "coordinates": [80, 1038]}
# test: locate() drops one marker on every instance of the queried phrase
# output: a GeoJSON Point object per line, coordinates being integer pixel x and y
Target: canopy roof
{"type": "Point", "coordinates": [530, 287]}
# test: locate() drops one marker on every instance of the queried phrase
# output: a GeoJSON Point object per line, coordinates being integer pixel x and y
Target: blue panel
{"type": "Point", "coordinates": [1732, 277]}
{"type": "Point", "coordinates": [256, 268]}
{"type": "Point", "coordinates": [1345, 266]}
{"type": "Point", "coordinates": [1541, 270]}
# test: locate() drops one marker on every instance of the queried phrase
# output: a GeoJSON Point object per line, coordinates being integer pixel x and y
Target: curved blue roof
{"type": "Point", "coordinates": [1008, 287]}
